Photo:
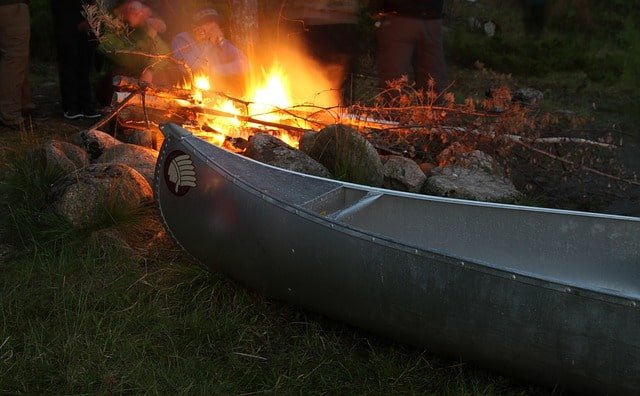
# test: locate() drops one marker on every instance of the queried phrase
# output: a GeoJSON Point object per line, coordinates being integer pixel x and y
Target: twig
{"type": "Point", "coordinates": [517, 138]}
{"type": "Point", "coordinates": [586, 168]}
{"type": "Point", "coordinates": [114, 112]}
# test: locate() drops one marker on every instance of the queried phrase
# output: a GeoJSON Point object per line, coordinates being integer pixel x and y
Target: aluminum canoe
{"type": "Point", "coordinates": [550, 296]}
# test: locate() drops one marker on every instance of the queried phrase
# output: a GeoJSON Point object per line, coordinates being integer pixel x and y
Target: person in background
{"type": "Point", "coordinates": [330, 31]}
{"type": "Point", "coordinates": [141, 53]}
{"type": "Point", "coordinates": [76, 50]}
{"type": "Point", "coordinates": [205, 50]}
{"type": "Point", "coordinates": [534, 16]}
{"type": "Point", "coordinates": [410, 43]}
{"type": "Point", "coordinates": [15, 92]}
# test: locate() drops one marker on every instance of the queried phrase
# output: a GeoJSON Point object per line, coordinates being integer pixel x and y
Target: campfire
{"type": "Point", "coordinates": [270, 105]}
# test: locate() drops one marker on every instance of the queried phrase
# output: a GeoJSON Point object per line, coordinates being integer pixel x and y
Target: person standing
{"type": "Point", "coordinates": [410, 43]}
{"type": "Point", "coordinates": [76, 50]}
{"type": "Point", "coordinates": [14, 62]}
{"type": "Point", "coordinates": [329, 29]}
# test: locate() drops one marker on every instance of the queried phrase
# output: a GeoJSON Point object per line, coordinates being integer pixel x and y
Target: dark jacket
{"type": "Point", "coordinates": [427, 9]}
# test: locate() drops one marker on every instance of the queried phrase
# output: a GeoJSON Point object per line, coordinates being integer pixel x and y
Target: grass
{"type": "Point", "coordinates": [102, 324]}
{"type": "Point", "coordinates": [78, 317]}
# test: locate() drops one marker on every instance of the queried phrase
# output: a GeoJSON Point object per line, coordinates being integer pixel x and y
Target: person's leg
{"type": "Point", "coordinates": [429, 60]}
{"type": "Point", "coordinates": [396, 37]}
{"type": "Point", "coordinates": [14, 60]}
{"type": "Point", "coordinates": [66, 35]}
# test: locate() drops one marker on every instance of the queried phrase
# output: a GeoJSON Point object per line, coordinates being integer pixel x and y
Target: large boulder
{"type": "Point", "coordinates": [273, 151]}
{"type": "Point", "coordinates": [84, 197]}
{"type": "Point", "coordinates": [63, 156]}
{"type": "Point", "coordinates": [345, 153]}
{"type": "Point", "coordinates": [402, 174]}
{"type": "Point", "coordinates": [139, 158]}
{"type": "Point", "coordinates": [95, 142]}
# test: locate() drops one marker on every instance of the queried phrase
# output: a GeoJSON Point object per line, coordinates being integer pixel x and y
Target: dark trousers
{"type": "Point", "coordinates": [76, 50]}
{"type": "Point", "coordinates": [335, 47]}
{"type": "Point", "coordinates": [411, 47]}
{"type": "Point", "coordinates": [14, 62]}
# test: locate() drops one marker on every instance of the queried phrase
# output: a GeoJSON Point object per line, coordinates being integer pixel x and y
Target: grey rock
{"type": "Point", "coordinates": [139, 158]}
{"type": "Point", "coordinates": [95, 142]}
{"type": "Point", "coordinates": [139, 137]}
{"type": "Point", "coordinates": [273, 151]}
{"type": "Point", "coordinates": [63, 155]}
{"type": "Point", "coordinates": [470, 183]}
{"type": "Point", "coordinates": [345, 153]}
{"type": "Point", "coordinates": [83, 197]}
{"type": "Point", "coordinates": [402, 174]}
{"type": "Point", "coordinates": [528, 95]}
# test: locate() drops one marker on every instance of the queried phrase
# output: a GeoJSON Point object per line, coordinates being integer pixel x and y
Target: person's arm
{"type": "Point", "coordinates": [233, 61]}
{"type": "Point", "coordinates": [187, 50]}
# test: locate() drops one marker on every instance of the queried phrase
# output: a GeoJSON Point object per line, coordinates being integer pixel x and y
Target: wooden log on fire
{"type": "Point", "coordinates": [187, 111]}
{"type": "Point", "coordinates": [131, 84]}
{"type": "Point", "coordinates": [135, 115]}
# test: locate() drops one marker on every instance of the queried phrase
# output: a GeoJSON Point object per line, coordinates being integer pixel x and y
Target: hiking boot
{"type": "Point", "coordinates": [90, 112]}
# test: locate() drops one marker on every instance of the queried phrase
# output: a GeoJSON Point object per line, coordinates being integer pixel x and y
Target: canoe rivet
{"type": "Point", "coordinates": [513, 277]}
{"type": "Point", "coordinates": [568, 290]}
{"type": "Point", "coordinates": [332, 225]}
{"type": "Point", "coordinates": [373, 239]}
{"type": "Point", "coordinates": [415, 251]}
{"type": "Point", "coordinates": [462, 263]}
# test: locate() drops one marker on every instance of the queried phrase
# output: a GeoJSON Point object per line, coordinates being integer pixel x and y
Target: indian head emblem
{"type": "Point", "coordinates": [179, 173]}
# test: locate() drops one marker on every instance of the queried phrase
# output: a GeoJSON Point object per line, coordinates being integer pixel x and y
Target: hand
{"type": "Point", "coordinates": [155, 26]}
{"type": "Point", "coordinates": [146, 76]}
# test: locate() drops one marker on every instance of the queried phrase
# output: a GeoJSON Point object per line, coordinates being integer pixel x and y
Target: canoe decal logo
{"type": "Point", "coordinates": [179, 173]}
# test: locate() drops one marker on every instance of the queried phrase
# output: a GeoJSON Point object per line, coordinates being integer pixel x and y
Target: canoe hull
{"type": "Point", "coordinates": [532, 328]}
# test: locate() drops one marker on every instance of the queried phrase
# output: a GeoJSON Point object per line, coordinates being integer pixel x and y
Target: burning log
{"type": "Point", "coordinates": [183, 110]}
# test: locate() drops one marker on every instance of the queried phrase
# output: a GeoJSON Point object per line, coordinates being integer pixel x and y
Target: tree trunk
{"type": "Point", "coordinates": [244, 24]}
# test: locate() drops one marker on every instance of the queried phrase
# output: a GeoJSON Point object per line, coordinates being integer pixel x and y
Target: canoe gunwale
{"type": "Point", "coordinates": [609, 296]}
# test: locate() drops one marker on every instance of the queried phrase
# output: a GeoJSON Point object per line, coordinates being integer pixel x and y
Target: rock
{"type": "Point", "coordinates": [402, 174]}
{"type": "Point", "coordinates": [528, 95]}
{"type": "Point", "coordinates": [426, 167]}
{"type": "Point", "coordinates": [470, 183]}
{"type": "Point", "coordinates": [63, 155]}
{"type": "Point", "coordinates": [273, 151]}
{"type": "Point", "coordinates": [139, 137]}
{"type": "Point", "coordinates": [139, 158]}
{"type": "Point", "coordinates": [82, 197]}
{"type": "Point", "coordinates": [471, 175]}
{"type": "Point", "coordinates": [345, 153]}
{"type": "Point", "coordinates": [95, 142]}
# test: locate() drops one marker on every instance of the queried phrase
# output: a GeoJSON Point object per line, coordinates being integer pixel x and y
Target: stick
{"type": "Point", "coordinates": [114, 112]}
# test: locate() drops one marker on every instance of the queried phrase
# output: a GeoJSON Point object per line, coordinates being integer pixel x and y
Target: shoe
{"type": "Point", "coordinates": [90, 112]}
{"type": "Point", "coordinates": [73, 114]}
